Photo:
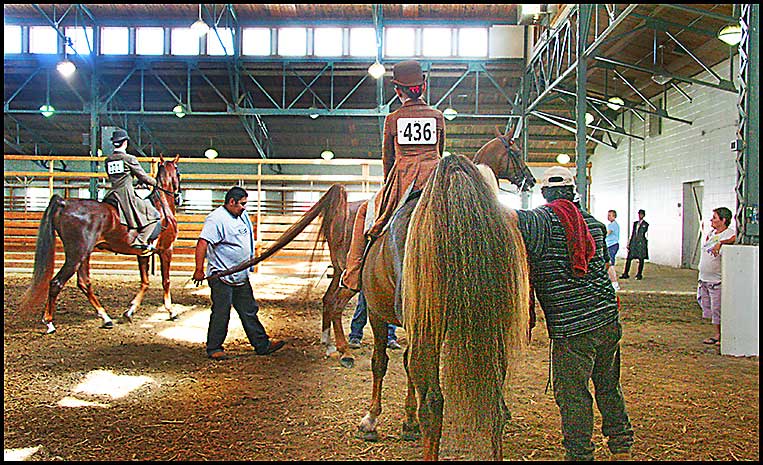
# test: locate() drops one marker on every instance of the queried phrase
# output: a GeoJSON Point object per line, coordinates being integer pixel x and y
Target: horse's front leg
{"type": "Point", "coordinates": [83, 282]}
{"type": "Point", "coordinates": [166, 258]}
{"type": "Point", "coordinates": [144, 282]}
{"type": "Point", "coordinates": [379, 361]}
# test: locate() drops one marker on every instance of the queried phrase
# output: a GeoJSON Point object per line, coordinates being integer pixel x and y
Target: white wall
{"type": "Point", "coordinates": [658, 167]}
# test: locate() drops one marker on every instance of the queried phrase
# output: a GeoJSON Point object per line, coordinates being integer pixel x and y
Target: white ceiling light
{"type": "Point", "coordinates": [179, 110]}
{"type": "Point", "coordinates": [615, 103]}
{"type": "Point", "coordinates": [313, 115]}
{"type": "Point", "coordinates": [450, 114]}
{"type": "Point", "coordinates": [661, 78]}
{"type": "Point", "coordinates": [66, 68]}
{"type": "Point", "coordinates": [327, 154]}
{"type": "Point", "coordinates": [376, 70]}
{"type": "Point", "coordinates": [562, 158]}
{"type": "Point", "coordinates": [200, 27]}
{"type": "Point", "coordinates": [47, 110]}
{"type": "Point", "coordinates": [731, 34]}
{"type": "Point", "coordinates": [588, 118]}
{"type": "Point", "coordinates": [210, 153]}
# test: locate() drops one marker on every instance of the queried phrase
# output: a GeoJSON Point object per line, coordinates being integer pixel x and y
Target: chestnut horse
{"type": "Point", "coordinates": [84, 225]}
{"type": "Point", "coordinates": [501, 154]}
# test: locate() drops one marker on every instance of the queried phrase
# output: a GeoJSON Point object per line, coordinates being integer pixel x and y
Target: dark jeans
{"type": "Point", "coordinates": [242, 299]}
{"type": "Point", "coordinates": [360, 318]}
{"type": "Point", "coordinates": [596, 356]}
{"type": "Point", "coordinates": [612, 249]}
{"type": "Point", "coordinates": [628, 266]}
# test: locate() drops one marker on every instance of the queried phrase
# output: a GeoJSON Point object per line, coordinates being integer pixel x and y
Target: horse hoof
{"type": "Point", "coordinates": [173, 317]}
{"type": "Point", "coordinates": [347, 362]}
{"type": "Point", "coordinates": [107, 325]}
{"type": "Point", "coordinates": [126, 317]}
{"type": "Point", "coordinates": [368, 436]}
{"type": "Point", "coordinates": [50, 331]}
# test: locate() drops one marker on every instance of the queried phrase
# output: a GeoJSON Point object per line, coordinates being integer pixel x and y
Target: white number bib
{"type": "Point", "coordinates": [115, 167]}
{"type": "Point", "coordinates": [417, 131]}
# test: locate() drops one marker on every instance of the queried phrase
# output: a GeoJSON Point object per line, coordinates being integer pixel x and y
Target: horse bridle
{"type": "Point", "coordinates": [176, 196]}
{"type": "Point", "coordinates": [511, 156]}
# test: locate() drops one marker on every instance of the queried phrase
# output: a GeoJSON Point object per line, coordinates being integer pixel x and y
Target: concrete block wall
{"type": "Point", "coordinates": [655, 169]}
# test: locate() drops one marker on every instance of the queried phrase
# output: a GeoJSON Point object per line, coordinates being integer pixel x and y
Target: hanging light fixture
{"type": "Point", "coordinates": [210, 153]}
{"type": "Point", "coordinates": [179, 110]}
{"type": "Point", "coordinates": [200, 27]}
{"type": "Point", "coordinates": [327, 154]}
{"type": "Point", "coordinates": [450, 113]}
{"type": "Point", "coordinates": [562, 158]}
{"type": "Point", "coordinates": [588, 118]}
{"type": "Point", "coordinates": [615, 103]}
{"type": "Point", "coordinates": [47, 110]}
{"type": "Point", "coordinates": [660, 76]}
{"type": "Point", "coordinates": [314, 111]}
{"type": "Point", "coordinates": [66, 66]}
{"type": "Point", "coordinates": [731, 34]}
{"type": "Point", "coordinates": [376, 70]}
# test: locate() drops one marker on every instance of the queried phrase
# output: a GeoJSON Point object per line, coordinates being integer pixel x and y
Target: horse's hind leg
{"type": "Point", "coordinates": [411, 430]}
{"type": "Point", "coordinates": [379, 361]}
{"type": "Point", "coordinates": [425, 377]}
{"type": "Point", "coordinates": [56, 284]}
{"type": "Point", "coordinates": [83, 282]}
{"type": "Point", "coordinates": [136, 301]}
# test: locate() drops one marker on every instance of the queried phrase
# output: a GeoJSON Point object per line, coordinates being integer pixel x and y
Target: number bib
{"type": "Point", "coordinates": [115, 167]}
{"type": "Point", "coordinates": [416, 131]}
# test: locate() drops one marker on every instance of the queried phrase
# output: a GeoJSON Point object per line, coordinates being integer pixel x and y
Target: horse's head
{"type": "Point", "coordinates": [168, 178]}
{"type": "Point", "coordinates": [504, 156]}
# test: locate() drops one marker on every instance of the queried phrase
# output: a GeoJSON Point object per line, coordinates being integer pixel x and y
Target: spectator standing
{"type": "Point", "coordinates": [638, 247]}
{"type": "Point", "coordinates": [709, 286]}
{"type": "Point", "coordinates": [613, 245]}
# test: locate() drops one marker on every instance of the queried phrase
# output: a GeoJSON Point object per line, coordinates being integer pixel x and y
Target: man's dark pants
{"type": "Point", "coordinates": [242, 299]}
{"type": "Point", "coordinates": [594, 355]}
{"type": "Point", "coordinates": [612, 249]}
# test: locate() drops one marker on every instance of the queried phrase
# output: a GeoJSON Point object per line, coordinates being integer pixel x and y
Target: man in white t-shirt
{"type": "Point", "coordinates": [709, 288]}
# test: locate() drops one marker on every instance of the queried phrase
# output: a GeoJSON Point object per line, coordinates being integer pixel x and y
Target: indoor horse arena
{"type": "Point", "coordinates": [651, 108]}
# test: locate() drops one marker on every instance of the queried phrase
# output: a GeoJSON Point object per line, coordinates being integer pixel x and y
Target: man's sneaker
{"type": "Point", "coordinates": [274, 345]}
{"type": "Point", "coordinates": [219, 355]}
{"type": "Point", "coordinates": [354, 343]}
{"type": "Point", "coordinates": [393, 345]}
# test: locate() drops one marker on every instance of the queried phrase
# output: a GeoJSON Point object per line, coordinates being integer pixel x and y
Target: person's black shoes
{"type": "Point", "coordinates": [274, 345]}
{"type": "Point", "coordinates": [624, 276]}
{"type": "Point", "coordinates": [639, 277]}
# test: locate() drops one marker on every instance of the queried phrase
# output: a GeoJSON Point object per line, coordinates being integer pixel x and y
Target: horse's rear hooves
{"type": "Point", "coordinates": [173, 317]}
{"type": "Point", "coordinates": [368, 436]}
{"type": "Point", "coordinates": [49, 331]}
{"type": "Point", "coordinates": [127, 318]}
{"type": "Point", "coordinates": [347, 362]}
{"type": "Point", "coordinates": [108, 325]}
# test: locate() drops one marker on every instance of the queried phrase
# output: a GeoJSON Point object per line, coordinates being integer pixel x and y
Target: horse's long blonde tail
{"type": "Point", "coordinates": [465, 290]}
{"type": "Point", "coordinates": [44, 257]}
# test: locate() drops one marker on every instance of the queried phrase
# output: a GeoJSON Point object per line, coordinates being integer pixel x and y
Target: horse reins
{"type": "Point", "coordinates": [509, 153]}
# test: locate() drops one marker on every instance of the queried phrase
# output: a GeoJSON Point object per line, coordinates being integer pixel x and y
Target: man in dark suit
{"type": "Point", "coordinates": [638, 247]}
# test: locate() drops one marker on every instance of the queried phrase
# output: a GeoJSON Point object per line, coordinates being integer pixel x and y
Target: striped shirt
{"type": "Point", "coordinates": [572, 306]}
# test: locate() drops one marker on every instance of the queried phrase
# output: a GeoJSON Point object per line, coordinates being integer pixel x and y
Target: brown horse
{"type": "Point", "coordinates": [84, 225]}
{"type": "Point", "coordinates": [465, 299]}
{"type": "Point", "coordinates": [500, 154]}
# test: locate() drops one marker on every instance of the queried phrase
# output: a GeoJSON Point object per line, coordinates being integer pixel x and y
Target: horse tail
{"type": "Point", "coordinates": [324, 206]}
{"type": "Point", "coordinates": [465, 291]}
{"type": "Point", "coordinates": [44, 256]}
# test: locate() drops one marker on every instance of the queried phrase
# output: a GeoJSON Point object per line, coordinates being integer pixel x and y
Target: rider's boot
{"type": "Point", "coordinates": [142, 239]}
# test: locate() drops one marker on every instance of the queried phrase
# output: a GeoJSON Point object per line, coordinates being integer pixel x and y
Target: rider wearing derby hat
{"type": "Point", "coordinates": [414, 140]}
{"type": "Point", "coordinates": [134, 212]}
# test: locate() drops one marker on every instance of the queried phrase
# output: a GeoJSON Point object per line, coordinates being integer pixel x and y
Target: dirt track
{"type": "Point", "coordinates": [686, 402]}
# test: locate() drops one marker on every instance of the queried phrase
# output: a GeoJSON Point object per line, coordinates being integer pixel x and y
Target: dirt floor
{"type": "Point", "coordinates": [145, 391]}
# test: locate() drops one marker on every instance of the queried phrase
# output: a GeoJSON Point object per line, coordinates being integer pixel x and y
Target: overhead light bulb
{"type": "Point", "coordinates": [179, 110]}
{"type": "Point", "coordinates": [376, 70]}
{"type": "Point", "coordinates": [562, 158]}
{"type": "Point", "coordinates": [327, 154]}
{"type": "Point", "coordinates": [66, 68]}
{"type": "Point", "coordinates": [200, 27]}
{"type": "Point", "coordinates": [210, 153]}
{"type": "Point", "coordinates": [588, 118]}
{"type": "Point", "coordinates": [450, 114]}
{"type": "Point", "coordinates": [313, 115]}
{"type": "Point", "coordinates": [615, 103]}
{"type": "Point", "coordinates": [731, 34]}
{"type": "Point", "coordinates": [661, 78]}
{"type": "Point", "coordinates": [47, 110]}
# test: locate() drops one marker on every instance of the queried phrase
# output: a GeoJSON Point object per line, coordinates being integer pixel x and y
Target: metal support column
{"type": "Point", "coordinates": [584, 20]}
{"type": "Point", "coordinates": [748, 146]}
{"type": "Point", "coordinates": [95, 124]}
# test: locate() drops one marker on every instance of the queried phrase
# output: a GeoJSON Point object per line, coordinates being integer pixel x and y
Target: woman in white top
{"type": "Point", "coordinates": [709, 288]}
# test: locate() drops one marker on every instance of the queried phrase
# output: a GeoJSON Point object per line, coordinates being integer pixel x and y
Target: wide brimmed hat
{"type": "Point", "coordinates": [119, 135]}
{"type": "Point", "coordinates": [557, 176]}
{"type": "Point", "coordinates": [407, 74]}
